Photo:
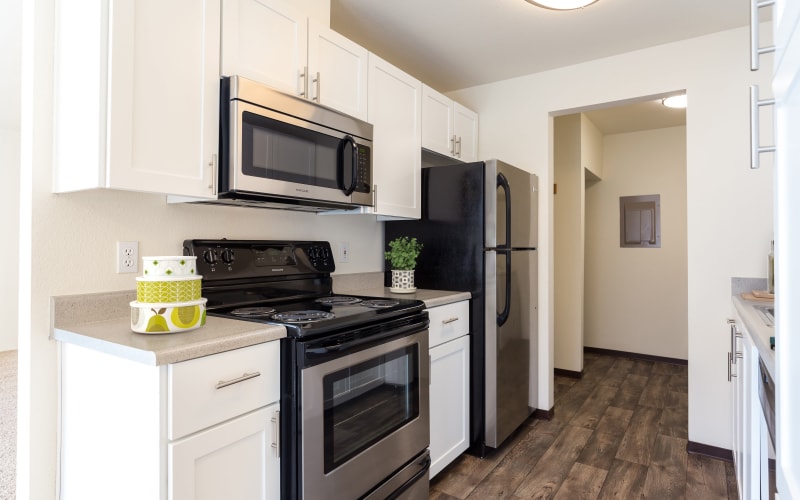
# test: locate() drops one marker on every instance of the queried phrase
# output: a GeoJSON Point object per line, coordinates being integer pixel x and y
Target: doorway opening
{"type": "Point", "coordinates": [610, 296]}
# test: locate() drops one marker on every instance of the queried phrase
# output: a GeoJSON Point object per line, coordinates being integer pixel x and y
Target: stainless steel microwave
{"type": "Point", "coordinates": [281, 151]}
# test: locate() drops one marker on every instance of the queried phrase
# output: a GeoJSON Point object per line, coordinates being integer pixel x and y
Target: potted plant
{"type": "Point", "coordinates": [402, 256]}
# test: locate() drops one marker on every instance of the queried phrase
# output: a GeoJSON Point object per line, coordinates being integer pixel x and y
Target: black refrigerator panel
{"type": "Point", "coordinates": [451, 229]}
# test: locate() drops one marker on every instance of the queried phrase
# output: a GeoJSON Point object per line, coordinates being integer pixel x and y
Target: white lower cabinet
{"type": "Point", "coordinates": [235, 459]}
{"type": "Point", "coordinates": [747, 437]}
{"type": "Point", "coordinates": [205, 428]}
{"type": "Point", "coordinates": [449, 390]}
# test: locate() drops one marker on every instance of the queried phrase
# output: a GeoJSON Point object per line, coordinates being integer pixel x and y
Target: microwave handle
{"type": "Point", "coordinates": [348, 190]}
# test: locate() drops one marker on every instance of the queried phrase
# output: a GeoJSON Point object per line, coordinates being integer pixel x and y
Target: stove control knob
{"type": "Point", "coordinates": [210, 256]}
{"type": "Point", "coordinates": [227, 256]}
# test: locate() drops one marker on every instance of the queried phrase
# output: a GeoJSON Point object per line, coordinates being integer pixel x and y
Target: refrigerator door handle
{"type": "Point", "coordinates": [502, 182]}
{"type": "Point", "coordinates": [503, 316]}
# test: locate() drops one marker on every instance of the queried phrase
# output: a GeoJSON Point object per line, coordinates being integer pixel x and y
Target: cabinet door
{"type": "Point", "coordinates": [164, 110]}
{"type": "Point", "coordinates": [465, 128]}
{"type": "Point", "coordinates": [449, 402]}
{"type": "Point", "coordinates": [437, 122]}
{"type": "Point", "coordinates": [265, 41]}
{"type": "Point", "coordinates": [337, 68]}
{"type": "Point", "coordinates": [233, 460]}
{"type": "Point", "coordinates": [746, 419]}
{"type": "Point", "coordinates": [394, 109]}
{"type": "Point", "coordinates": [147, 118]}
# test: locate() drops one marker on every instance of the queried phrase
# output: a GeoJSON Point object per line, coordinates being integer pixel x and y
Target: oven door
{"type": "Point", "coordinates": [364, 417]}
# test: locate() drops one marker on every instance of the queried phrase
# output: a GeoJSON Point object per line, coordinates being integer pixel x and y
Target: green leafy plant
{"type": "Point", "coordinates": [403, 253]}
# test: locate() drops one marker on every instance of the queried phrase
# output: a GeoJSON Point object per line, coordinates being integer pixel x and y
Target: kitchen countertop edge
{"type": "Point", "coordinates": [758, 330]}
{"type": "Point", "coordinates": [115, 337]}
{"type": "Point", "coordinates": [431, 298]}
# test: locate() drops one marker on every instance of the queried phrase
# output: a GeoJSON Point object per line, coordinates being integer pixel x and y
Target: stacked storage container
{"type": "Point", "coordinates": [168, 296]}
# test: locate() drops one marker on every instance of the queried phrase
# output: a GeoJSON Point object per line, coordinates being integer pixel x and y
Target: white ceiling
{"type": "Point", "coordinates": [455, 44]}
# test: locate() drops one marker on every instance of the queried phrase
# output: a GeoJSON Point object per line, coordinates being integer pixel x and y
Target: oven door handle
{"type": "Point", "coordinates": [327, 346]}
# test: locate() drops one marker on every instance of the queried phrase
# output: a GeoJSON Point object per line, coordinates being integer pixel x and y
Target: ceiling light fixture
{"type": "Point", "coordinates": [562, 4]}
{"type": "Point", "coordinates": [675, 101]}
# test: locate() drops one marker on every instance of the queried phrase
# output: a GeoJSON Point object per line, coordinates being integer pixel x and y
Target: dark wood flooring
{"type": "Point", "coordinates": [618, 432]}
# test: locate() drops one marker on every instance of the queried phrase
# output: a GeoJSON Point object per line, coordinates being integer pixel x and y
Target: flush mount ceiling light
{"type": "Point", "coordinates": [562, 4]}
{"type": "Point", "coordinates": [675, 101]}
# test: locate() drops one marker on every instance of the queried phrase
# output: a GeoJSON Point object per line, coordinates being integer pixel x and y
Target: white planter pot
{"type": "Point", "coordinates": [402, 281]}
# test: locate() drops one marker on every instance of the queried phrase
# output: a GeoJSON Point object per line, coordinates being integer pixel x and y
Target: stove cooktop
{"type": "Point", "coordinates": [322, 315]}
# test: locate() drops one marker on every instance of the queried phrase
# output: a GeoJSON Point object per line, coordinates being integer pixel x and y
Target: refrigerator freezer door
{"type": "Point", "coordinates": [512, 192]}
{"type": "Point", "coordinates": [508, 345]}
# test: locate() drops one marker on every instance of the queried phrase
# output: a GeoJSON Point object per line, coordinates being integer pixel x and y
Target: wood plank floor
{"type": "Point", "coordinates": [618, 432]}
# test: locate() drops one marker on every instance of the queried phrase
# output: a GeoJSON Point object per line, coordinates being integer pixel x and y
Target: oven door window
{"type": "Point", "coordinates": [276, 150]}
{"type": "Point", "coordinates": [367, 402]}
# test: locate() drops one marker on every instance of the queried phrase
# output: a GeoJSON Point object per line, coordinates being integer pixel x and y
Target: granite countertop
{"type": "Point", "coordinates": [759, 331]}
{"type": "Point", "coordinates": [102, 322]}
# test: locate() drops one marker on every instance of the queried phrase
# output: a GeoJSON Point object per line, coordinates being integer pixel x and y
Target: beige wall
{"type": "Point", "coordinates": [725, 199]}
{"type": "Point", "coordinates": [636, 298]}
{"type": "Point", "coordinates": [568, 243]}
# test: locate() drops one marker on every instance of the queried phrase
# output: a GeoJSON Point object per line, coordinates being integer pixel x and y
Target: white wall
{"type": "Point", "coordinates": [568, 209]}
{"type": "Point", "coordinates": [636, 298]}
{"type": "Point", "coordinates": [68, 247]}
{"type": "Point", "coordinates": [729, 206]}
{"type": "Point", "coordinates": [9, 250]}
{"type": "Point", "coordinates": [9, 165]}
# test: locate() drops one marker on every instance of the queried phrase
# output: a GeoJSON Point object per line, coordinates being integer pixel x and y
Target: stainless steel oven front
{"type": "Point", "coordinates": [364, 419]}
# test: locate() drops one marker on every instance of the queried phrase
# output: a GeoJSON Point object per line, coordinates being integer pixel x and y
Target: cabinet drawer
{"type": "Point", "coordinates": [448, 322]}
{"type": "Point", "coordinates": [208, 390]}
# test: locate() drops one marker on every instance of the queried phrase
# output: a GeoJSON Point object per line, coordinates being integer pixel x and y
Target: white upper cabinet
{"type": "Point", "coordinates": [395, 108]}
{"type": "Point", "coordinates": [448, 128]}
{"type": "Point", "coordinates": [137, 96]}
{"type": "Point", "coordinates": [275, 43]}
{"type": "Point", "coordinates": [338, 71]}
{"type": "Point", "coordinates": [265, 41]}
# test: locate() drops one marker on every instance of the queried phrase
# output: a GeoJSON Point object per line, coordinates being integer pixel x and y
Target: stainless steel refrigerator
{"type": "Point", "coordinates": [479, 231]}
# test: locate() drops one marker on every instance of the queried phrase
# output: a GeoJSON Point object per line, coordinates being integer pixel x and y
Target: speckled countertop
{"type": "Point", "coordinates": [754, 322]}
{"type": "Point", "coordinates": [102, 322]}
{"type": "Point", "coordinates": [759, 331]}
{"type": "Point", "coordinates": [432, 298]}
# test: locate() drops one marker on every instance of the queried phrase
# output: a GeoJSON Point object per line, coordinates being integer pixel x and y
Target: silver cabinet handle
{"type": "Point", "coordinates": [213, 168]}
{"type": "Point", "coordinates": [755, 148]}
{"type": "Point", "coordinates": [730, 367]}
{"type": "Point", "coordinates": [755, 50]}
{"type": "Point", "coordinates": [304, 86]}
{"type": "Point", "coordinates": [276, 443]}
{"type": "Point", "coordinates": [735, 333]}
{"type": "Point", "coordinates": [449, 320]}
{"type": "Point", "coordinates": [316, 96]}
{"type": "Point", "coordinates": [245, 376]}
{"type": "Point", "coordinates": [453, 145]}
{"type": "Point", "coordinates": [458, 147]}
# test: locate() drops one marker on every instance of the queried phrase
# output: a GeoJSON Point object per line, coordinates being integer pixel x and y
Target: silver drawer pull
{"type": "Point", "coordinates": [245, 376]}
{"type": "Point", "coordinates": [449, 320]}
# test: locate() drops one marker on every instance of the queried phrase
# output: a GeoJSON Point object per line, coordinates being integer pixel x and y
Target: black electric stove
{"type": "Point", "coordinates": [286, 283]}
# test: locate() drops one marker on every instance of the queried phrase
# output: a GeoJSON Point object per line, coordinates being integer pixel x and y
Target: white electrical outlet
{"type": "Point", "coordinates": [344, 251]}
{"type": "Point", "coordinates": [127, 257]}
